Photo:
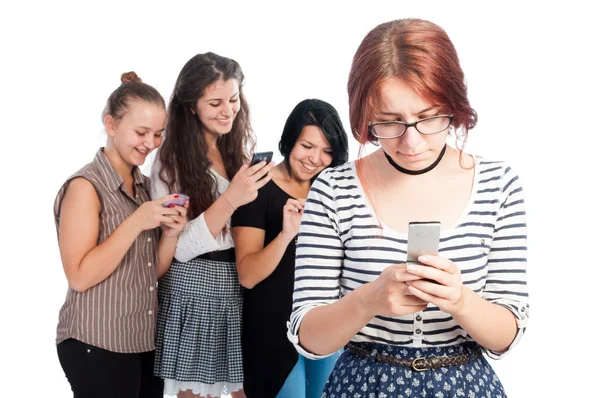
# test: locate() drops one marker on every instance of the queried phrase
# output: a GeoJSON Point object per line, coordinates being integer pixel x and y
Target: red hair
{"type": "Point", "coordinates": [420, 54]}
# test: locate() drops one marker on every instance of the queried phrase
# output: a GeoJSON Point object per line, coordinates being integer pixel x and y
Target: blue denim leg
{"type": "Point", "coordinates": [295, 384]}
{"type": "Point", "coordinates": [317, 373]}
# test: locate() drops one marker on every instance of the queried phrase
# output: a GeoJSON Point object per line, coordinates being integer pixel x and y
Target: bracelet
{"type": "Point", "coordinates": [228, 202]}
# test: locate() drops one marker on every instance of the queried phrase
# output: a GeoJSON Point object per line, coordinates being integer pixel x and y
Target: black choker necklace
{"type": "Point", "coordinates": [415, 172]}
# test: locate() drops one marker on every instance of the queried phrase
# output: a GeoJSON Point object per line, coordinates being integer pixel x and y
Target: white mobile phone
{"type": "Point", "coordinates": [423, 239]}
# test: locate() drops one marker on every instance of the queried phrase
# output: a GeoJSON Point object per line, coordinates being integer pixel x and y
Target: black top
{"type": "Point", "coordinates": [267, 353]}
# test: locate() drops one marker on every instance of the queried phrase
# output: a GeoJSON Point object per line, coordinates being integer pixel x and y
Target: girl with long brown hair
{"type": "Point", "coordinates": [205, 156]}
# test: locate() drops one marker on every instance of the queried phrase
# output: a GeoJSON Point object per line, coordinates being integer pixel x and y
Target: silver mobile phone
{"type": "Point", "coordinates": [423, 238]}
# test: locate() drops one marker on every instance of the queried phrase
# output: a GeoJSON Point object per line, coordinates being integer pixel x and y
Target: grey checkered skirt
{"type": "Point", "coordinates": [199, 323]}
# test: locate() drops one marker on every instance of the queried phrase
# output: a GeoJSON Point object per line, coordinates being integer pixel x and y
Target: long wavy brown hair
{"type": "Point", "coordinates": [183, 155]}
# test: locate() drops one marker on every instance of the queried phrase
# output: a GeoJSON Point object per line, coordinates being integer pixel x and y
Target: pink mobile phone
{"type": "Point", "coordinates": [180, 201]}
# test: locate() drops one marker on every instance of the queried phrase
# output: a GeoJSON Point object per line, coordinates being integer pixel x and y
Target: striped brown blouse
{"type": "Point", "coordinates": [119, 313]}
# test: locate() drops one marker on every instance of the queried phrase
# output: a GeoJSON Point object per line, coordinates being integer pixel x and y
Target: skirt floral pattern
{"type": "Point", "coordinates": [356, 377]}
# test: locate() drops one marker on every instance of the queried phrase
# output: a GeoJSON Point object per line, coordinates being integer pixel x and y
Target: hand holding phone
{"type": "Point", "coordinates": [261, 157]}
{"type": "Point", "coordinates": [178, 201]}
{"type": "Point", "coordinates": [423, 239]}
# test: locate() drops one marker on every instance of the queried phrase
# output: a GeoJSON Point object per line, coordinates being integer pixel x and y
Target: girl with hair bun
{"type": "Point", "coordinates": [112, 250]}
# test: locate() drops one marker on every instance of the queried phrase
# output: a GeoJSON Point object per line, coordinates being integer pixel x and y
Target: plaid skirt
{"type": "Point", "coordinates": [199, 323]}
{"type": "Point", "coordinates": [357, 377]}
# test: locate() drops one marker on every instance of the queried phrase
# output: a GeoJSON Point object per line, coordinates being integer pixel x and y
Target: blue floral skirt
{"type": "Point", "coordinates": [357, 377]}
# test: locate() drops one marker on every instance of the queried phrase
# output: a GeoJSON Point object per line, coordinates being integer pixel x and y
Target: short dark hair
{"type": "Point", "coordinates": [315, 112]}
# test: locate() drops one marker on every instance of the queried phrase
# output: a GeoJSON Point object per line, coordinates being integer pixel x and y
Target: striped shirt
{"type": "Point", "coordinates": [342, 246]}
{"type": "Point", "coordinates": [118, 314]}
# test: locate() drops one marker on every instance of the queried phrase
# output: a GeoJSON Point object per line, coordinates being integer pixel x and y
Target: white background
{"type": "Point", "coordinates": [532, 73]}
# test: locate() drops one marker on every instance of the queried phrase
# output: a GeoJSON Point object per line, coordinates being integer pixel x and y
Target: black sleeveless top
{"type": "Point", "coordinates": [267, 353]}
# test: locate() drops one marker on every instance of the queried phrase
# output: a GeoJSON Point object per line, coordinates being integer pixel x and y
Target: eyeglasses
{"type": "Point", "coordinates": [395, 129]}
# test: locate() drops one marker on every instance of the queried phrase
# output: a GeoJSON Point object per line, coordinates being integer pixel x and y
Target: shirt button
{"type": "Point", "coordinates": [150, 312]}
{"type": "Point", "coordinates": [151, 288]}
{"type": "Point", "coordinates": [482, 242]}
{"type": "Point", "coordinates": [419, 318]}
{"type": "Point", "coordinates": [418, 331]}
{"type": "Point", "coordinates": [149, 264]}
{"type": "Point", "coordinates": [522, 309]}
{"type": "Point", "coordinates": [149, 239]}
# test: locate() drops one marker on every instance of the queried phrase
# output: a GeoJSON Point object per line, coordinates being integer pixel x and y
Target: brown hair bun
{"type": "Point", "coordinates": [130, 77]}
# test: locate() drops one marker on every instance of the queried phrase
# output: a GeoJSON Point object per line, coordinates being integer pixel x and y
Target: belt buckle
{"type": "Point", "coordinates": [416, 367]}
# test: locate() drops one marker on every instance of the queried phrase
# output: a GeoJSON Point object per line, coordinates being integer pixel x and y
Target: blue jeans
{"type": "Point", "coordinates": [308, 377]}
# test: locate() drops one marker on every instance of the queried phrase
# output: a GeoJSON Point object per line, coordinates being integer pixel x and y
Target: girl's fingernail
{"type": "Point", "coordinates": [176, 196]}
{"type": "Point", "coordinates": [171, 206]}
{"type": "Point", "coordinates": [411, 267]}
{"type": "Point", "coordinates": [423, 259]}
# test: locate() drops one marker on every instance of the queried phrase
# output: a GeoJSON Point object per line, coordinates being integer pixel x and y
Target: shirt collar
{"type": "Point", "coordinates": [114, 180]}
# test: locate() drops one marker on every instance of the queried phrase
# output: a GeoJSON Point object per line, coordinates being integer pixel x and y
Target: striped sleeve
{"type": "Point", "coordinates": [319, 257]}
{"type": "Point", "coordinates": [506, 283]}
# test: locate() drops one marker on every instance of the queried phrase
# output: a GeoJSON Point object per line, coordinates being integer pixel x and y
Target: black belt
{"type": "Point", "coordinates": [227, 255]}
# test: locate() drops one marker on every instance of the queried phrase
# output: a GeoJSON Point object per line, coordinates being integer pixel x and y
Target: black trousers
{"type": "Point", "coordinates": [97, 373]}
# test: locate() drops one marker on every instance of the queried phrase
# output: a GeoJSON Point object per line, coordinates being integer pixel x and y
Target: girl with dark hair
{"type": "Point", "coordinates": [265, 244]}
{"type": "Point", "coordinates": [205, 155]}
{"type": "Point", "coordinates": [415, 330]}
{"type": "Point", "coordinates": [112, 250]}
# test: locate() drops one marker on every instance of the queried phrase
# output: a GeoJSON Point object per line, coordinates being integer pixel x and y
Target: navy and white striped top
{"type": "Point", "coordinates": [341, 246]}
